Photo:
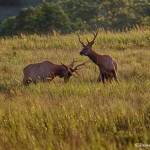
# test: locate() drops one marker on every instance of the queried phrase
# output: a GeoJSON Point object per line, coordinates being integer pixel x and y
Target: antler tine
{"type": "Point", "coordinates": [74, 61]}
{"type": "Point", "coordinates": [71, 65]}
{"type": "Point", "coordinates": [76, 68]}
{"type": "Point", "coordinates": [95, 35]}
{"type": "Point", "coordinates": [80, 40]}
{"type": "Point", "coordinates": [87, 40]}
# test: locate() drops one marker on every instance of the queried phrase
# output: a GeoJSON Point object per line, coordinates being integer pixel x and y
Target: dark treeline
{"type": "Point", "coordinates": [9, 2]}
{"type": "Point", "coordinates": [67, 16]}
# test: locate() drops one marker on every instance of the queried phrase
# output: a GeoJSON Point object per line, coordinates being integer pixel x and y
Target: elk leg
{"type": "Point", "coordinates": [106, 77]}
{"type": "Point", "coordinates": [35, 81]}
{"type": "Point", "coordinates": [103, 78]}
{"type": "Point", "coordinates": [99, 78]}
{"type": "Point", "coordinates": [115, 75]}
{"type": "Point", "coordinates": [110, 79]}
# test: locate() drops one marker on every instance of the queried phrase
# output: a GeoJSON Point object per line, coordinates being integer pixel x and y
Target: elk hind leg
{"type": "Point", "coordinates": [99, 78]}
{"type": "Point", "coordinates": [103, 77]}
{"type": "Point", "coordinates": [110, 79]}
{"type": "Point", "coordinates": [115, 75]}
{"type": "Point", "coordinates": [107, 77]}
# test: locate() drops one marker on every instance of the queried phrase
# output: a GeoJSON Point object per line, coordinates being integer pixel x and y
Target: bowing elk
{"type": "Point", "coordinates": [47, 71]}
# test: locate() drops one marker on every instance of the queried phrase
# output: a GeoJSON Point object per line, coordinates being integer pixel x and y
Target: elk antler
{"type": "Point", "coordinates": [95, 35]}
{"type": "Point", "coordinates": [80, 40]}
{"type": "Point", "coordinates": [72, 64]}
{"type": "Point", "coordinates": [88, 41]}
{"type": "Point", "coordinates": [76, 68]}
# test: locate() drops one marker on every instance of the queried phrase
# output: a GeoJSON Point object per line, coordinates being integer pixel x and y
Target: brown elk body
{"type": "Point", "coordinates": [47, 71]}
{"type": "Point", "coordinates": [107, 65]}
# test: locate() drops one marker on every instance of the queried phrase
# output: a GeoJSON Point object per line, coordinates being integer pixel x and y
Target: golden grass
{"type": "Point", "coordinates": [81, 114]}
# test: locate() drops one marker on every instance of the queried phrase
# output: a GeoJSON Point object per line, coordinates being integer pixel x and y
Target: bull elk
{"type": "Point", "coordinates": [106, 64]}
{"type": "Point", "coordinates": [47, 71]}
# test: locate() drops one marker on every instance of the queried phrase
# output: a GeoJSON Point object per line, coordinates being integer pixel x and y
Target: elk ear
{"type": "Point", "coordinates": [64, 66]}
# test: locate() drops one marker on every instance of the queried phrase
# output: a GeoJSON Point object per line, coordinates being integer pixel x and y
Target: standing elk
{"type": "Point", "coordinates": [47, 71]}
{"type": "Point", "coordinates": [107, 65]}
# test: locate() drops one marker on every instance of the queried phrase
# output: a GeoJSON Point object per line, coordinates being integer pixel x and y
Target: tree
{"type": "Point", "coordinates": [82, 13]}
{"type": "Point", "coordinates": [70, 15]}
{"type": "Point", "coordinates": [44, 18]}
{"type": "Point", "coordinates": [50, 16]}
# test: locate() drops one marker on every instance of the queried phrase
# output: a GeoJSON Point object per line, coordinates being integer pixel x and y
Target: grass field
{"type": "Point", "coordinates": [80, 114]}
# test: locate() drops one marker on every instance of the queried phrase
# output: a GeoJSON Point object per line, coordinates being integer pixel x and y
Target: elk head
{"type": "Point", "coordinates": [88, 47]}
{"type": "Point", "coordinates": [69, 70]}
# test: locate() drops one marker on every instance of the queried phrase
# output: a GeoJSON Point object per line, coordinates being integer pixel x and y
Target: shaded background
{"type": "Point", "coordinates": [65, 16]}
{"type": "Point", "coordinates": [12, 7]}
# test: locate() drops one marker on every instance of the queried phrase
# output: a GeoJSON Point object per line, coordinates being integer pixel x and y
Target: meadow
{"type": "Point", "coordinates": [80, 114]}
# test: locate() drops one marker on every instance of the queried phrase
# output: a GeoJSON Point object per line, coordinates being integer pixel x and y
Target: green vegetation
{"type": "Point", "coordinates": [66, 16]}
{"type": "Point", "coordinates": [81, 114]}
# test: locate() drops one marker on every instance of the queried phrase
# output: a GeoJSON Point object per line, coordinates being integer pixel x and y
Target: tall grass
{"type": "Point", "coordinates": [81, 114]}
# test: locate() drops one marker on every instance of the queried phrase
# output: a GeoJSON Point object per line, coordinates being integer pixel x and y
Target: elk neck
{"type": "Point", "coordinates": [94, 57]}
{"type": "Point", "coordinates": [59, 70]}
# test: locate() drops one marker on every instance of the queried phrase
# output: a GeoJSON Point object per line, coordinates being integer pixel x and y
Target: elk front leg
{"type": "Point", "coordinates": [110, 79]}
{"type": "Point", "coordinates": [115, 75]}
{"type": "Point", "coordinates": [99, 78]}
{"type": "Point", "coordinates": [106, 76]}
{"type": "Point", "coordinates": [103, 77]}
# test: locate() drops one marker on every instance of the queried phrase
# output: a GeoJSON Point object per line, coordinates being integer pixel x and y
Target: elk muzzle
{"type": "Point", "coordinates": [81, 53]}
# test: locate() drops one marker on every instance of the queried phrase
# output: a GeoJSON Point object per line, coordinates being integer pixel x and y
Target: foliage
{"type": "Point", "coordinates": [42, 19]}
{"type": "Point", "coordinates": [81, 114]}
{"type": "Point", "coordinates": [50, 16]}
{"type": "Point", "coordinates": [66, 16]}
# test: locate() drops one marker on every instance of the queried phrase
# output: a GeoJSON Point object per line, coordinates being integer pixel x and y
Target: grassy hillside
{"type": "Point", "coordinates": [81, 114]}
